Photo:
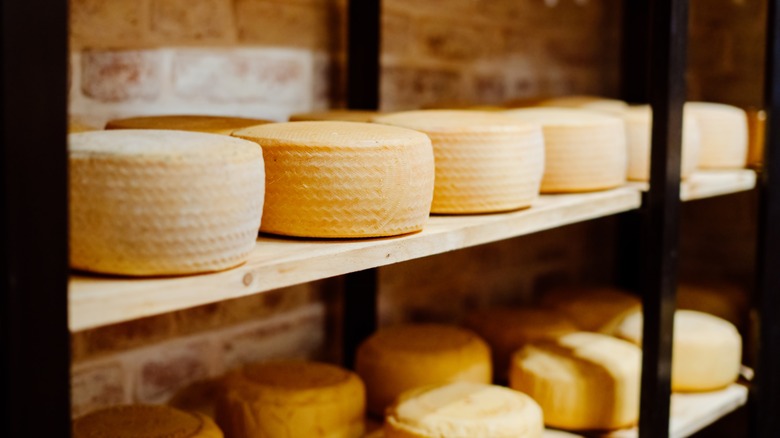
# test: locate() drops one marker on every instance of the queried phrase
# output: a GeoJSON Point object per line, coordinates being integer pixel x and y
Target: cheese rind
{"type": "Point", "coordinates": [724, 134]}
{"type": "Point", "coordinates": [194, 123]}
{"type": "Point", "coordinates": [344, 115]}
{"type": "Point", "coordinates": [289, 399]}
{"type": "Point", "coordinates": [582, 381]}
{"type": "Point", "coordinates": [464, 410]}
{"type": "Point", "coordinates": [594, 309]}
{"type": "Point", "coordinates": [485, 162]}
{"type": "Point", "coordinates": [400, 358]}
{"type": "Point", "coordinates": [145, 421]}
{"type": "Point", "coordinates": [597, 103]}
{"type": "Point", "coordinates": [162, 202]}
{"type": "Point", "coordinates": [344, 179]}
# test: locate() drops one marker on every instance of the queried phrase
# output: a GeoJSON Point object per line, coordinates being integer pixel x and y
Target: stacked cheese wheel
{"type": "Point", "coordinates": [142, 421]}
{"type": "Point", "coordinates": [344, 179]}
{"type": "Point", "coordinates": [485, 162]}
{"type": "Point", "coordinates": [595, 309]}
{"type": "Point", "coordinates": [586, 102]}
{"type": "Point", "coordinates": [344, 115]}
{"type": "Point", "coordinates": [724, 134]}
{"type": "Point", "coordinates": [584, 150]}
{"type": "Point", "coordinates": [151, 202]}
{"type": "Point", "coordinates": [209, 124]}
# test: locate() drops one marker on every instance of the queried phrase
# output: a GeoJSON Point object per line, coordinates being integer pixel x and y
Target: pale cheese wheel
{"type": "Point", "coordinates": [343, 115]}
{"type": "Point", "coordinates": [724, 135]}
{"type": "Point", "coordinates": [145, 421]}
{"type": "Point", "coordinates": [344, 179]}
{"type": "Point", "coordinates": [195, 123]}
{"type": "Point", "coordinates": [397, 359]}
{"type": "Point", "coordinates": [289, 399]}
{"type": "Point", "coordinates": [584, 150]}
{"type": "Point", "coordinates": [485, 162]}
{"type": "Point", "coordinates": [593, 309]}
{"type": "Point", "coordinates": [706, 350]}
{"type": "Point", "coordinates": [597, 103]}
{"type": "Point", "coordinates": [149, 202]}
{"type": "Point", "coordinates": [507, 330]}
{"type": "Point", "coordinates": [464, 410]}
{"type": "Point", "coordinates": [582, 381]}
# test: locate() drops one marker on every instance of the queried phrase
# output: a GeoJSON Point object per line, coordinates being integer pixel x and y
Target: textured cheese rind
{"type": "Point", "coordinates": [195, 123]}
{"type": "Point", "coordinates": [594, 309]}
{"type": "Point", "coordinates": [584, 150]}
{"type": "Point", "coordinates": [162, 202]}
{"type": "Point", "coordinates": [582, 380]}
{"type": "Point", "coordinates": [145, 421]}
{"type": "Point", "coordinates": [706, 350]}
{"type": "Point", "coordinates": [397, 359]}
{"type": "Point", "coordinates": [724, 134]}
{"type": "Point", "coordinates": [508, 330]}
{"type": "Point", "coordinates": [485, 162]}
{"type": "Point", "coordinates": [288, 399]}
{"type": "Point", "coordinates": [464, 410]}
{"type": "Point", "coordinates": [344, 179]}
{"type": "Point", "coordinates": [586, 102]}
{"type": "Point", "coordinates": [343, 115]}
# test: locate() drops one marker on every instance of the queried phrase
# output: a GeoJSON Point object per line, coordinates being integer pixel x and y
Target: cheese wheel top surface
{"type": "Point", "coordinates": [587, 102]}
{"type": "Point", "coordinates": [687, 324]}
{"type": "Point", "coordinates": [209, 124]}
{"type": "Point", "coordinates": [331, 134]}
{"type": "Point", "coordinates": [455, 121]}
{"type": "Point", "coordinates": [144, 421]}
{"type": "Point", "coordinates": [563, 117]}
{"type": "Point", "coordinates": [296, 375]}
{"type": "Point", "coordinates": [713, 107]}
{"type": "Point", "coordinates": [345, 115]}
{"type": "Point", "coordinates": [422, 338]}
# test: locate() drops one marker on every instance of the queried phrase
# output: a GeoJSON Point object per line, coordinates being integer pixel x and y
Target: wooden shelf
{"type": "Point", "coordinates": [711, 183]}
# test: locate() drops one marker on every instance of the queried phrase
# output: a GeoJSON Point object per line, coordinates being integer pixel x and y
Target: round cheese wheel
{"type": "Point", "coordinates": [400, 358]}
{"type": "Point", "coordinates": [508, 330]}
{"type": "Point", "coordinates": [464, 409]}
{"type": "Point", "coordinates": [582, 380]}
{"type": "Point", "coordinates": [344, 115]}
{"type": "Point", "coordinates": [208, 124]}
{"type": "Point", "coordinates": [292, 399]}
{"type": "Point", "coordinates": [593, 309]}
{"type": "Point", "coordinates": [724, 134]}
{"type": "Point", "coordinates": [75, 126]}
{"type": "Point", "coordinates": [725, 301]}
{"type": "Point", "coordinates": [145, 421]}
{"type": "Point", "coordinates": [344, 179]}
{"type": "Point", "coordinates": [585, 150]}
{"type": "Point", "coordinates": [756, 136]}
{"type": "Point", "coordinates": [706, 350]}
{"type": "Point", "coordinates": [485, 162]}
{"type": "Point", "coordinates": [586, 102]}
{"type": "Point", "coordinates": [162, 202]}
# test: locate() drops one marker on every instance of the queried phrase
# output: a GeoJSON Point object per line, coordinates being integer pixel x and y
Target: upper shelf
{"type": "Point", "coordinates": [711, 183]}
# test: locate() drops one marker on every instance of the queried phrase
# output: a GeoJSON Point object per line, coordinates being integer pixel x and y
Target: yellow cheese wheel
{"type": "Point", "coordinates": [464, 409]}
{"type": "Point", "coordinates": [507, 330]}
{"type": "Point", "coordinates": [485, 162]}
{"type": "Point", "coordinates": [706, 350]}
{"type": "Point", "coordinates": [725, 301]}
{"type": "Point", "coordinates": [594, 309]}
{"type": "Point", "coordinates": [585, 150]}
{"type": "Point", "coordinates": [582, 380]}
{"type": "Point", "coordinates": [586, 102]}
{"type": "Point", "coordinates": [162, 202]}
{"type": "Point", "coordinates": [208, 124]}
{"type": "Point", "coordinates": [404, 357]}
{"type": "Point", "coordinates": [344, 115]}
{"type": "Point", "coordinates": [344, 179]}
{"type": "Point", "coordinates": [724, 134]}
{"type": "Point", "coordinates": [74, 127]}
{"type": "Point", "coordinates": [289, 399]}
{"type": "Point", "coordinates": [756, 136]}
{"type": "Point", "coordinates": [145, 421]}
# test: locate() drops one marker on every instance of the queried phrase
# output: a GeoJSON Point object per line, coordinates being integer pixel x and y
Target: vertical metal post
{"type": "Point", "coordinates": [635, 51]}
{"type": "Point", "coordinates": [35, 352]}
{"type": "Point", "coordinates": [668, 38]}
{"type": "Point", "coordinates": [364, 44]}
{"type": "Point", "coordinates": [360, 311]}
{"type": "Point", "coordinates": [765, 392]}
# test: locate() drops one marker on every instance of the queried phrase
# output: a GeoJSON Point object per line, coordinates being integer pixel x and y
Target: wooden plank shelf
{"type": "Point", "coordinates": [710, 183]}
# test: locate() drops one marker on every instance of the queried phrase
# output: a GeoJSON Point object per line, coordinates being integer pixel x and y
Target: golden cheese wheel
{"type": "Point", "coordinates": [75, 126]}
{"type": "Point", "coordinates": [150, 202]}
{"type": "Point", "coordinates": [344, 179]}
{"type": "Point", "coordinates": [584, 150]}
{"type": "Point", "coordinates": [290, 399]}
{"type": "Point", "coordinates": [582, 380]}
{"type": "Point", "coordinates": [196, 123]}
{"type": "Point", "coordinates": [464, 409]}
{"type": "Point", "coordinates": [397, 359]}
{"type": "Point", "coordinates": [597, 103]}
{"type": "Point", "coordinates": [756, 136]}
{"type": "Point", "coordinates": [594, 309]}
{"type": "Point", "coordinates": [344, 115]}
{"type": "Point", "coordinates": [726, 301]}
{"type": "Point", "coordinates": [724, 134]}
{"type": "Point", "coordinates": [507, 330]}
{"type": "Point", "coordinates": [145, 421]}
{"type": "Point", "coordinates": [485, 162]}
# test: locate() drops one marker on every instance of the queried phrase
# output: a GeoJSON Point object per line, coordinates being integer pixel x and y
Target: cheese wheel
{"type": "Point", "coordinates": [485, 162]}
{"type": "Point", "coordinates": [74, 127]}
{"type": "Point", "coordinates": [586, 102]}
{"type": "Point", "coordinates": [725, 301]}
{"type": "Point", "coordinates": [145, 421]}
{"type": "Point", "coordinates": [593, 309]}
{"type": "Point", "coordinates": [400, 358]}
{"type": "Point", "coordinates": [344, 179]}
{"type": "Point", "coordinates": [508, 330]}
{"type": "Point", "coordinates": [208, 124]}
{"type": "Point", "coordinates": [344, 115]}
{"type": "Point", "coordinates": [162, 202]}
{"type": "Point", "coordinates": [464, 409]}
{"type": "Point", "coordinates": [706, 350]}
{"type": "Point", "coordinates": [585, 150]}
{"type": "Point", "coordinates": [582, 380]}
{"type": "Point", "coordinates": [724, 135]}
{"type": "Point", "coordinates": [756, 136]}
{"type": "Point", "coordinates": [638, 121]}
{"type": "Point", "coordinates": [288, 399]}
